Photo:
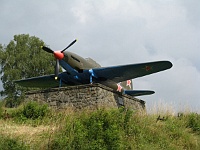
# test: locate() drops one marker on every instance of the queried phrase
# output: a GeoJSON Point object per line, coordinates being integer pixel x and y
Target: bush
{"type": "Point", "coordinates": [99, 130]}
{"type": "Point", "coordinates": [13, 102]}
{"type": "Point", "coordinates": [32, 110]}
{"type": "Point", "coordinates": [194, 122]}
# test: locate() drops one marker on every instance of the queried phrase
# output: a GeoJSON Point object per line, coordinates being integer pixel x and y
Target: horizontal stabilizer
{"type": "Point", "coordinates": [138, 92]}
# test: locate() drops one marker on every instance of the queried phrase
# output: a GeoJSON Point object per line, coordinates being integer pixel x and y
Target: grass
{"type": "Point", "coordinates": [35, 126]}
{"type": "Point", "coordinates": [7, 143]}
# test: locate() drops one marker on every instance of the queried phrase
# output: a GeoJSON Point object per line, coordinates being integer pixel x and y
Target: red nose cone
{"type": "Point", "coordinates": [58, 55]}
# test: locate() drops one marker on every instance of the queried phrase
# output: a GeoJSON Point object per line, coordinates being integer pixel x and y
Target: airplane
{"type": "Point", "coordinates": [79, 71]}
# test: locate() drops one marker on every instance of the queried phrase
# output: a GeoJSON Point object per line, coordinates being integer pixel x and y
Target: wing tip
{"type": "Point", "coordinates": [169, 64]}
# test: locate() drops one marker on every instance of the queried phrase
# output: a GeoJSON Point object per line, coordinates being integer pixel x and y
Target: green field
{"type": "Point", "coordinates": [35, 126]}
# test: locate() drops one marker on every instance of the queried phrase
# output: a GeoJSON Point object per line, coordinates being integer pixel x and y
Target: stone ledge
{"type": "Point", "coordinates": [91, 96]}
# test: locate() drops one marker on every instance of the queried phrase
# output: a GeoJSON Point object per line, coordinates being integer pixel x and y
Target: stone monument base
{"type": "Point", "coordinates": [92, 96]}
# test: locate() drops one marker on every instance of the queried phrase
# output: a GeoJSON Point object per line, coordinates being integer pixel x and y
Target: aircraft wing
{"type": "Point", "coordinates": [126, 72]}
{"type": "Point", "coordinates": [40, 82]}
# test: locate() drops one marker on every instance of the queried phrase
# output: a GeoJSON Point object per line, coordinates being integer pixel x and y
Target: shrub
{"type": "Point", "coordinates": [32, 110]}
{"type": "Point", "coordinates": [194, 122]}
{"type": "Point", "coordinates": [101, 129]}
{"type": "Point", "coordinates": [11, 102]}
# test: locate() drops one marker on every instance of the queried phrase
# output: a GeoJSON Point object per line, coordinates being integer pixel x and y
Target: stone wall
{"type": "Point", "coordinates": [85, 97]}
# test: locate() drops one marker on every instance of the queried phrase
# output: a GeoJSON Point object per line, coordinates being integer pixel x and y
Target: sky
{"type": "Point", "coordinates": [119, 32]}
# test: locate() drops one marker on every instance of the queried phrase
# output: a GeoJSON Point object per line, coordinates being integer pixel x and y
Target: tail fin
{"type": "Point", "coordinates": [127, 85]}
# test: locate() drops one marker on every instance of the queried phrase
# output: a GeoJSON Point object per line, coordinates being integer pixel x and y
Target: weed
{"type": "Point", "coordinates": [193, 122]}
{"type": "Point", "coordinates": [7, 143]}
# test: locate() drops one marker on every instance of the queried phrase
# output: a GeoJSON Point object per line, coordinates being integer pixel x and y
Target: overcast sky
{"type": "Point", "coordinates": [118, 32]}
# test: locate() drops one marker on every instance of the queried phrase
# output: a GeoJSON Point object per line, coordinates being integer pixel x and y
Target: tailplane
{"type": "Point", "coordinates": [128, 89]}
{"type": "Point", "coordinates": [138, 92]}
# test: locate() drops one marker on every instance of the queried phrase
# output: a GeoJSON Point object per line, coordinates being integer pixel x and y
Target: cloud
{"type": "Point", "coordinates": [192, 11]}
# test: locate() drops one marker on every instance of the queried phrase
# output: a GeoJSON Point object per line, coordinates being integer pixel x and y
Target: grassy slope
{"type": "Point", "coordinates": [102, 129]}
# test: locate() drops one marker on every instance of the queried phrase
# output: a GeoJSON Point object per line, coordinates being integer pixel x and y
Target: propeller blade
{"type": "Point", "coordinates": [57, 66]}
{"type": "Point", "coordinates": [69, 45]}
{"type": "Point", "coordinates": [47, 49]}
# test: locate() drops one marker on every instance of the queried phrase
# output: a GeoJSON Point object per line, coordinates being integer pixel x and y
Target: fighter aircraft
{"type": "Point", "coordinates": [79, 71]}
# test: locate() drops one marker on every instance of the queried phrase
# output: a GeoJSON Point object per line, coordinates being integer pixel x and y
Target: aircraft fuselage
{"type": "Point", "coordinates": [80, 64]}
{"type": "Point", "coordinates": [77, 62]}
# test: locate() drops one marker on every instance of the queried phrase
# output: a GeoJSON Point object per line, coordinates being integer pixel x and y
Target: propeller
{"type": "Point", "coordinates": [56, 69]}
{"type": "Point", "coordinates": [69, 45]}
{"type": "Point", "coordinates": [58, 55]}
{"type": "Point", "coordinates": [47, 49]}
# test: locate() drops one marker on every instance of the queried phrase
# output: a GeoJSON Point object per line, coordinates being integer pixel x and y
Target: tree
{"type": "Point", "coordinates": [23, 58]}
